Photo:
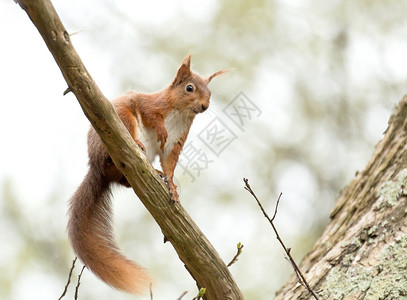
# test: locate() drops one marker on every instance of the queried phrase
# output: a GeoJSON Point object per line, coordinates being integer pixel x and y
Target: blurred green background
{"type": "Point", "coordinates": [325, 76]}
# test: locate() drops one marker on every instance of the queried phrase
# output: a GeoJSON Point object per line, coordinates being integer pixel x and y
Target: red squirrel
{"type": "Point", "coordinates": [159, 123]}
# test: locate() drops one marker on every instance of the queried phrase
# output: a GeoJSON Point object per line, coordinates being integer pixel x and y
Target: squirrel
{"type": "Point", "coordinates": [159, 123]}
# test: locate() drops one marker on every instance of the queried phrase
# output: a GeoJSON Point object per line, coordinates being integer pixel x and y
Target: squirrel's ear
{"type": "Point", "coordinates": [187, 61]}
{"type": "Point", "coordinates": [216, 74]}
{"type": "Point", "coordinates": [184, 70]}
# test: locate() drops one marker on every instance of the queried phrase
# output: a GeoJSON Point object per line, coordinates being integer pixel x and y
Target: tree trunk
{"type": "Point", "coordinates": [200, 258]}
{"type": "Point", "coordinates": [362, 253]}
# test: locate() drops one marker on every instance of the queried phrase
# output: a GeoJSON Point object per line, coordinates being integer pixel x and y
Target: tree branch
{"type": "Point", "coordinates": [300, 277]}
{"type": "Point", "coordinates": [200, 258]}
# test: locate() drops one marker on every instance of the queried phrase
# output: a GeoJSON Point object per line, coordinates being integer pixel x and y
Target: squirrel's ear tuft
{"type": "Point", "coordinates": [184, 70]}
{"type": "Point", "coordinates": [216, 74]}
{"type": "Point", "coordinates": [187, 61]}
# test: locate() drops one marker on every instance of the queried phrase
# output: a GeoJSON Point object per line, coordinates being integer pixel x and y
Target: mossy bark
{"type": "Point", "coordinates": [362, 253]}
{"type": "Point", "coordinates": [195, 251]}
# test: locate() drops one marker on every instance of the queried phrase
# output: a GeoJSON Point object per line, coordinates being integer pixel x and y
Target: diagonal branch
{"type": "Point", "coordinates": [195, 251]}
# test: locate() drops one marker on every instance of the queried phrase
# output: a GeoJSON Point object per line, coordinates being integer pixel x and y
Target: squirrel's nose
{"type": "Point", "coordinates": [204, 107]}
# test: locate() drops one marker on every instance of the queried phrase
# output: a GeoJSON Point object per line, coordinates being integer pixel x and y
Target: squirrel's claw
{"type": "Point", "coordinates": [174, 198]}
{"type": "Point", "coordinates": [161, 175]}
{"type": "Point", "coordinates": [142, 147]}
{"type": "Point", "coordinates": [172, 188]}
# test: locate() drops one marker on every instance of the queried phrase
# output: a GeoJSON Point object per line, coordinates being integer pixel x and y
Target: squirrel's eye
{"type": "Point", "coordinates": [189, 88]}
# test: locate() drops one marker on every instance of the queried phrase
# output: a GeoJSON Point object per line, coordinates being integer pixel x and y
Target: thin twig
{"type": "Point", "coordinates": [79, 283]}
{"type": "Point", "coordinates": [239, 251]}
{"type": "Point", "coordinates": [182, 295]}
{"type": "Point", "coordinates": [275, 210]}
{"type": "Point", "coordinates": [69, 279]}
{"type": "Point", "coordinates": [295, 271]}
{"type": "Point", "coordinates": [300, 276]}
{"type": "Point", "coordinates": [151, 291]}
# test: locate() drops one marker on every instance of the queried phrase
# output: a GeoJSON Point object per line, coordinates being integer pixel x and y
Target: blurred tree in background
{"type": "Point", "coordinates": [325, 76]}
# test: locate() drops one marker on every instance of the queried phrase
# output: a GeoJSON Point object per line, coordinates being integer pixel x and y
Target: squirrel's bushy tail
{"type": "Point", "coordinates": [90, 232]}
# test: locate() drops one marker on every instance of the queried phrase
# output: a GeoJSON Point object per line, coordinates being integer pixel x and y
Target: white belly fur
{"type": "Point", "coordinates": [176, 125]}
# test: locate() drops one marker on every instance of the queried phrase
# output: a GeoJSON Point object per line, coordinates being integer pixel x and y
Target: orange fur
{"type": "Point", "coordinates": [159, 123]}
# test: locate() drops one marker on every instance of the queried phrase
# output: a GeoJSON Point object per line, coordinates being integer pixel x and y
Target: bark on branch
{"type": "Point", "coordinates": [200, 258]}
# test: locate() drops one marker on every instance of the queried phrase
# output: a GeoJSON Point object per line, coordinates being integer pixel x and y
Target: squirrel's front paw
{"type": "Point", "coordinates": [162, 138]}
